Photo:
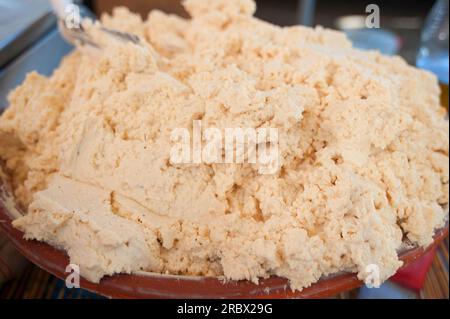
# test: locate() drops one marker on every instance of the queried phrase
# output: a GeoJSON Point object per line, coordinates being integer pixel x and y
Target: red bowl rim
{"type": "Point", "coordinates": [184, 287]}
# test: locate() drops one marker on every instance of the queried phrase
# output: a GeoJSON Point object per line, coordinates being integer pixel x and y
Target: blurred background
{"type": "Point", "coordinates": [415, 30]}
{"type": "Point", "coordinates": [404, 20]}
{"type": "Point", "coordinates": [401, 21]}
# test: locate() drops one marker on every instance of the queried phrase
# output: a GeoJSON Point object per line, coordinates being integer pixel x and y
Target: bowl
{"type": "Point", "coordinates": [149, 285]}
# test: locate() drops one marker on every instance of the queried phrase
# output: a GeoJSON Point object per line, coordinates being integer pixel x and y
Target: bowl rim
{"type": "Point", "coordinates": [150, 285]}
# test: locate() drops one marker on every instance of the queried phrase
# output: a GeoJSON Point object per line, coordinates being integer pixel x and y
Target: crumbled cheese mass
{"type": "Point", "coordinates": [363, 142]}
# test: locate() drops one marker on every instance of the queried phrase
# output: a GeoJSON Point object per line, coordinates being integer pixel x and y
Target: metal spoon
{"type": "Point", "coordinates": [70, 15]}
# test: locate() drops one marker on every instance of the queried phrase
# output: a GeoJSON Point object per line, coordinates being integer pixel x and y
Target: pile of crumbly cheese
{"type": "Point", "coordinates": [363, 142]}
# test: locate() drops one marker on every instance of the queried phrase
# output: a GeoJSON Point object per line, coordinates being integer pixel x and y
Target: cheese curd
{"type": "Point", "coordinates": [363, 151]}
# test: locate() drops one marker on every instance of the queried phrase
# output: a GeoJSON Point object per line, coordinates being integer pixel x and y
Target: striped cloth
{"type": "Point", "coordinates": [35, 283]}
{"type": "Point", "coordinates": [436, 285]}
{"type": "Point", "coordinates": [11, 262]}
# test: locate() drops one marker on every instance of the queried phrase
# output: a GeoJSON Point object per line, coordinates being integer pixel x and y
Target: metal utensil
{"type": "Point", "coordinates": [70, 16]}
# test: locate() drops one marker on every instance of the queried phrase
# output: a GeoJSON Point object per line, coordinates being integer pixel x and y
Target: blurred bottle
{"type": "Point", "coordinates": [433, 54]}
